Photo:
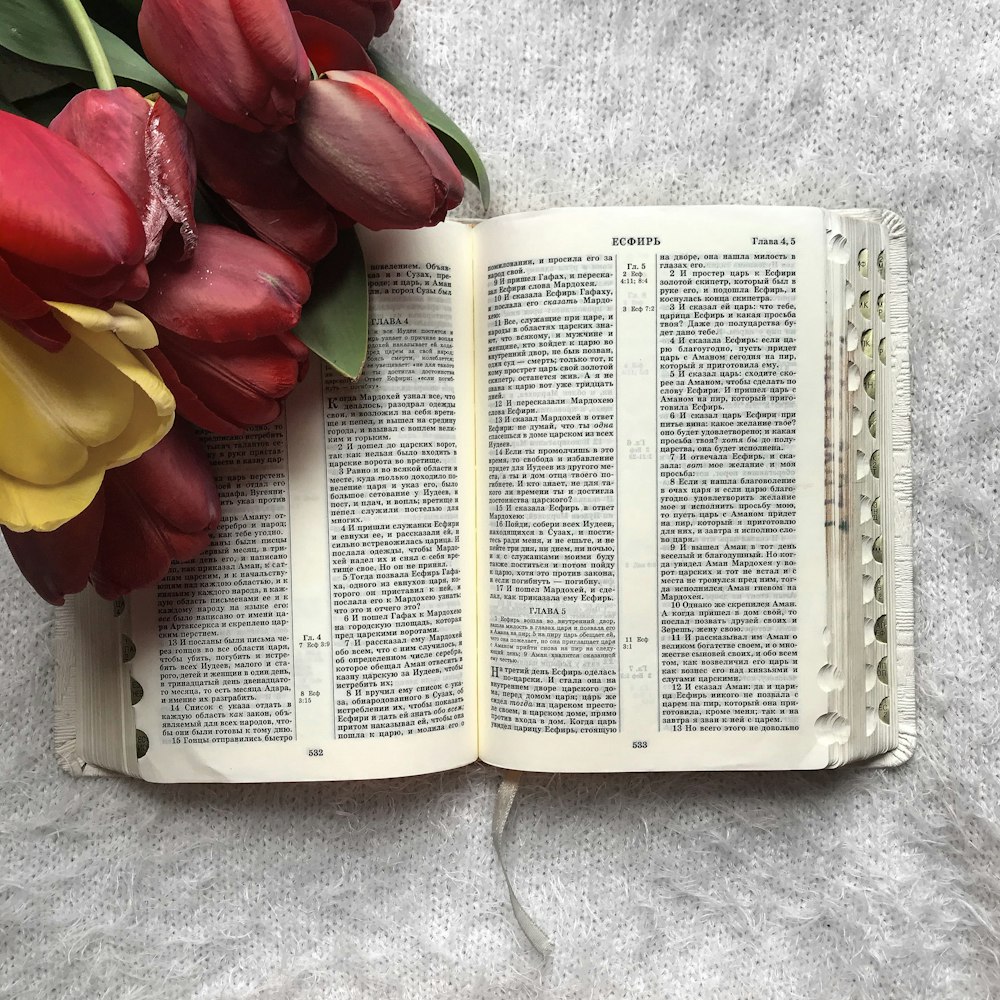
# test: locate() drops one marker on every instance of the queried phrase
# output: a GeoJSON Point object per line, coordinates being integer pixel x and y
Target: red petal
{"type": "Point", "coordinates": [240, 59]}
{"type": "Point", "coordinates": [160, 507]}
{"type": "Point", "coordinates": [233, 288]}
{"type": "Point", "coordinates": [57, 563]}
{"type": "Point", "coordinates": [369, 153]}
{"type": "Point", "coordinates": [127, 282]}
{"type": "Point", "coordinates": [145, 149]}
{"type": "Point", "coordinates": [384, 11]}
{"type": "Point", "coordinates": [352, 16]}
{"type": "Point", "coordinates": [251, 168]}
{"type": "Point", "coordinates": [240, 383]}
{"type": "Point", "coordinates": [329, 46]}
{"type": "Point", "coordinates": [44, 331]}
{"type": "Point", "coordinates": [270, 33]}
{"type": "Point", "coordinates": [307, 232]}
{"type": "Point", "coordinates": [27, 312]}
{"type": "Point", "coordinates": [189, 406]}
{"type": "Point", "coordinates": [110, 127]}
{"type": "Point", "coordinates": [170, 156]}
{"type": "Point", "coordinates": [60, 209]}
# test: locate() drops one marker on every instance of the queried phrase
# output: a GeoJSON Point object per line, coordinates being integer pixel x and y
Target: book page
{"type": "Point", "coordinates": [329, 632]}
{"type": "Point", "coordinates": [652, 558]}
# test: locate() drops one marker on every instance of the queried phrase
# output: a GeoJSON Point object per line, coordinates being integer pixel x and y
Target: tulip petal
{"type": "Point", "coordinates": [241, 383]}
{"type": "Point", "coordinates": [43, 330]}
{"type": "Point", "coordinates": [27, 312]}
{"type": "Point", "coordinates": [153, 405]}
{"type": "Point", "coordinates": [132, 364]}
{"type": "Point", "coordinates": [144, 146]}
{"type": "Point", "coordinates": [329, 46]}
{"type": "Point", "coordinates": [62, 406]}
{"type": "Point", "coordinates": [164, 505]}
{"type": "Point", "coordinates": [58, 562]}
{"type": "Point", "coordinates": [308, 232]}
{"type": "Point", "coordinates": [251, 168]}
{"type": "Point", "coordinates": [240, 59]}
{"type": "Point", "coordinates": [170, 157]}
{"type": "Point", "coordinates": [60, 209]}
{"type": "Point", "coordinates": [369, 153]}
{"type": "Point", "coordinates": [270, 33]}
{"type": "Point", "coordinates": [93, 405]}
{"type": "Point", "coordinates": [253, 173]}
{"type": "Point", "coordinates": [355, 16]}
{"type": "Point", "coordinates": [189, 406]}
{"type": "Point", "coordinates": [28, 507]}
{"type": "Point", "coordinates": [384, 11]}
{"type": "Point", "coordinates": [126, 283]}
{"type": "Point", "coordinates": [129, 325]}
{"type": "Point", "coordinates": [17, 300]}
{"type": "Point", "coordinates": [233, 288]}
{"type": "Point", "coordinates": [110, 127]}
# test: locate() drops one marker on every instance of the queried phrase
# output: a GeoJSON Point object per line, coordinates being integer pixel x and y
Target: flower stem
{"type": "Point", "coordinates": [91, 44]}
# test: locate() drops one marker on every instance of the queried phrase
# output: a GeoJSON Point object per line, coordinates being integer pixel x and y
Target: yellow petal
{"type": "Point", "coordinates": [147, 427]}
{"type": "Point", "coordinates": [135, 366]}
{"type": "Point", "coordinates": [29, 507]}
{"type": "Point", "coordinates": [55, 406]}
{"type": "Point", "coordinates": [129, 325]}
{"type": "Point", "coordinates": [62, 418]}
{"type": "Point", "coordinates": [153, 403]}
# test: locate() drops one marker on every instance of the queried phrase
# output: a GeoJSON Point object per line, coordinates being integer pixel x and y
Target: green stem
{"type": "Point", "coordinates": [91, 44]}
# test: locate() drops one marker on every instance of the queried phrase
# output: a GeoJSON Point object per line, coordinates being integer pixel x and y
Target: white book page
{"type": "Point", "coordinates": [652, 566]}
{"type": "Point", "coordinates": [330, 630]}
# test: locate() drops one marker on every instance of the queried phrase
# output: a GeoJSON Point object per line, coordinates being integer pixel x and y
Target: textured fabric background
{"type": "Point", "coordinates": [861, 884]}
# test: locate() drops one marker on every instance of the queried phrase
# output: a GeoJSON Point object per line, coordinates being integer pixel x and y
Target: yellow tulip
{"type": "Point", "coordinates": [68, 416]}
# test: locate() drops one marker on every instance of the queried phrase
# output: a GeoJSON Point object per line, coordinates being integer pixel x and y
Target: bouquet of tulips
{"type": "Point", "coordinates": [171, 250]}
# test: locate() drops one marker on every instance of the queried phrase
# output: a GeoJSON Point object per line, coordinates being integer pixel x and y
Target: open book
{"type": "Point", "coordinates": [619, 490]}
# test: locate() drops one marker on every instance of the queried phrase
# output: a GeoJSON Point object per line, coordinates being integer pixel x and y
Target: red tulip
{"type": "Point", "coordinates": [227, 388]}
{"type": "Point", "coordinates": [362, 18]}
{"type": "Point", "coordinates": [69, 232]}
{"type": "Point", "coordinates": [369, 153]}
{"type": "Point", "coordinates": [233, 288]}
{"type": "Point", "coordinates": [223, 320]}
{"type": "Point", "coordinates": [240, 59]}
{"type": "Point", "coordinates": [145, 147]}
{"type": "Point", "coordinates": [253, 173]}
{"type": "Point", "coordinates": [159, 508]}
{"type": "Point", "coordinates": [330, 46]}
{"type": "Point", "coordinates": [307, 231]}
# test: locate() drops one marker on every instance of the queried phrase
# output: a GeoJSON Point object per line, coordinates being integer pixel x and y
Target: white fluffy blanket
{"type": "Point", "coordinates": [863, 884]}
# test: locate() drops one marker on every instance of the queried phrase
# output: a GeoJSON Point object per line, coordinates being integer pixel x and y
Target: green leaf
{"type": "Point", "coordinates": [41, 31]}
{"type": "Point", "coordinates": [20, 77]}
{"type": "Point", "coordinates": [454, 140]}
{"type": "Point", "coordinates": [334, 321]}
{"type": "Point", "coordinates": [42, 108]}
